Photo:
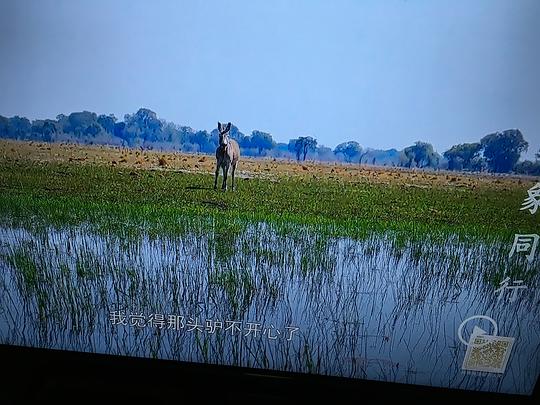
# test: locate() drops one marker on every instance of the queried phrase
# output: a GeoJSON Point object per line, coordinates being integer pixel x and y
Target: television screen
{"type": "Point", "coordinates": [346, 189]}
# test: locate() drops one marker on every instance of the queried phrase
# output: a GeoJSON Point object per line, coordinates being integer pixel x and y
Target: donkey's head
{"type": "Point", "coordinates": [223, 133]}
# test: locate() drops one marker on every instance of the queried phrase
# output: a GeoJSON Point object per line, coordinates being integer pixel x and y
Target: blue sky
{"type": "Point", "coordinates": [383, 73]}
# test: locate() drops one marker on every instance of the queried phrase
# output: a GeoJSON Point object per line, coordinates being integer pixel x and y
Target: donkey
{"type": "Point", "coordinates": [227, 155]}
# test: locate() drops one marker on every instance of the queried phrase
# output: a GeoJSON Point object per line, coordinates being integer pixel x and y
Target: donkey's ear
{"type": "Point", "coordinates": [228, 127]}
{"type": "Point", "coordinates": [219, 126]}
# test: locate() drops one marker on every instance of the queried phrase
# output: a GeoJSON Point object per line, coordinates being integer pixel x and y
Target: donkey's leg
{"type": "Point", "coordinates": [233, 169]}
{"type": "Point", "coordinates": [216, 177]}
{"type": "Point", "coordinates": [225, 172]}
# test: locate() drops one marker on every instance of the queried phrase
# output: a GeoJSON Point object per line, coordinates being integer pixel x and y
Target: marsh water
{"type": "Point", "coordinates": [380, 308]}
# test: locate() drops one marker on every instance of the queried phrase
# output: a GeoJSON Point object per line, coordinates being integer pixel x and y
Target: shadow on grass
{"type": "Point", "coordinates": [199, 188]}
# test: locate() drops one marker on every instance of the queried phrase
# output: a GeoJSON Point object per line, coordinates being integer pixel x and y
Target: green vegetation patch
{"type": "Point", "coordinates": [127, 201]}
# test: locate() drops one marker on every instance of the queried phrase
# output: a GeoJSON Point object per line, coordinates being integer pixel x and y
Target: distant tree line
{"type": "Point", "coordinates": [497, 152]}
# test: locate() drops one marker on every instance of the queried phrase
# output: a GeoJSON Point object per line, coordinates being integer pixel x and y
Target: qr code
{"type": "Point", "coordinates": [488, 353]}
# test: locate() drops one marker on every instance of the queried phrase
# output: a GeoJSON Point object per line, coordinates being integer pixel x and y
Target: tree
{"type": "Point", "coordinates": [171, 133]}
{"type": "Point", "coordinates": [422, 155]}
{"type": "Point", "coordinates": [479, 164]}
{"type": "Point", "coordinates": [349, 150]}
{"type": "Point", "coordinates": [19, 127]}
{"type": "Point", "coordinates": [302, 145]}
{"type": "Point", "coordinates": [245, 142]}
{"type": "Point", "coordinates": [44, 129]}
{"type": "Point", "coordinates": [205, 141]}
{"type": "Point", "coordinates": [538, 154]}
{"type": "Point", "coordinates": [262, 141]}
{"type": "Point", "coordinates": [4, 125]}
{"type": "Point", "coordinates": [308, 144]}
{"type": "Point", "coordinates": [107, 122]}
{"type": "Point", "coordinates": [294, 147]}
{"type": "Point", "coordinates": [93, 129]}
{"type": "Point", "coordinates": [119, 130]}
{"type": "Point", "coordinates": [527, 167]}
{"type": "Point", "coordinates": [78, 122]}
{"type": "Point", "coordinates": [63, 123]}
{"type": "Point", "coordinates": [462, 156]}
{"type": "Point", "coordinates": [362, 156]}
{"type": "Point", "coordinates": [325, 154]}
{"type": "Point", "coordinates": [143, 126]}
{"type": "Point", "coordinates": [502, 150]}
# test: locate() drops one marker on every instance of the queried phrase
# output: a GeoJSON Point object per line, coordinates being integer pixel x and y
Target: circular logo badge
{"type": "Point", "coordinates": [477, 331]}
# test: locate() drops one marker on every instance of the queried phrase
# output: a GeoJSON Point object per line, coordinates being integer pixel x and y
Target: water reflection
{"type": "Point", "coordinates": [379, 308]}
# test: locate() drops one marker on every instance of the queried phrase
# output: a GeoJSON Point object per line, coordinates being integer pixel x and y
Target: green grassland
{"type": "Point", "coordinates": [128, 200]}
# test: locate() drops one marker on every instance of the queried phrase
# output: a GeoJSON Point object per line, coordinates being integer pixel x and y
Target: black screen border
{"type": "Point", "coordinates": [36, 375]}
